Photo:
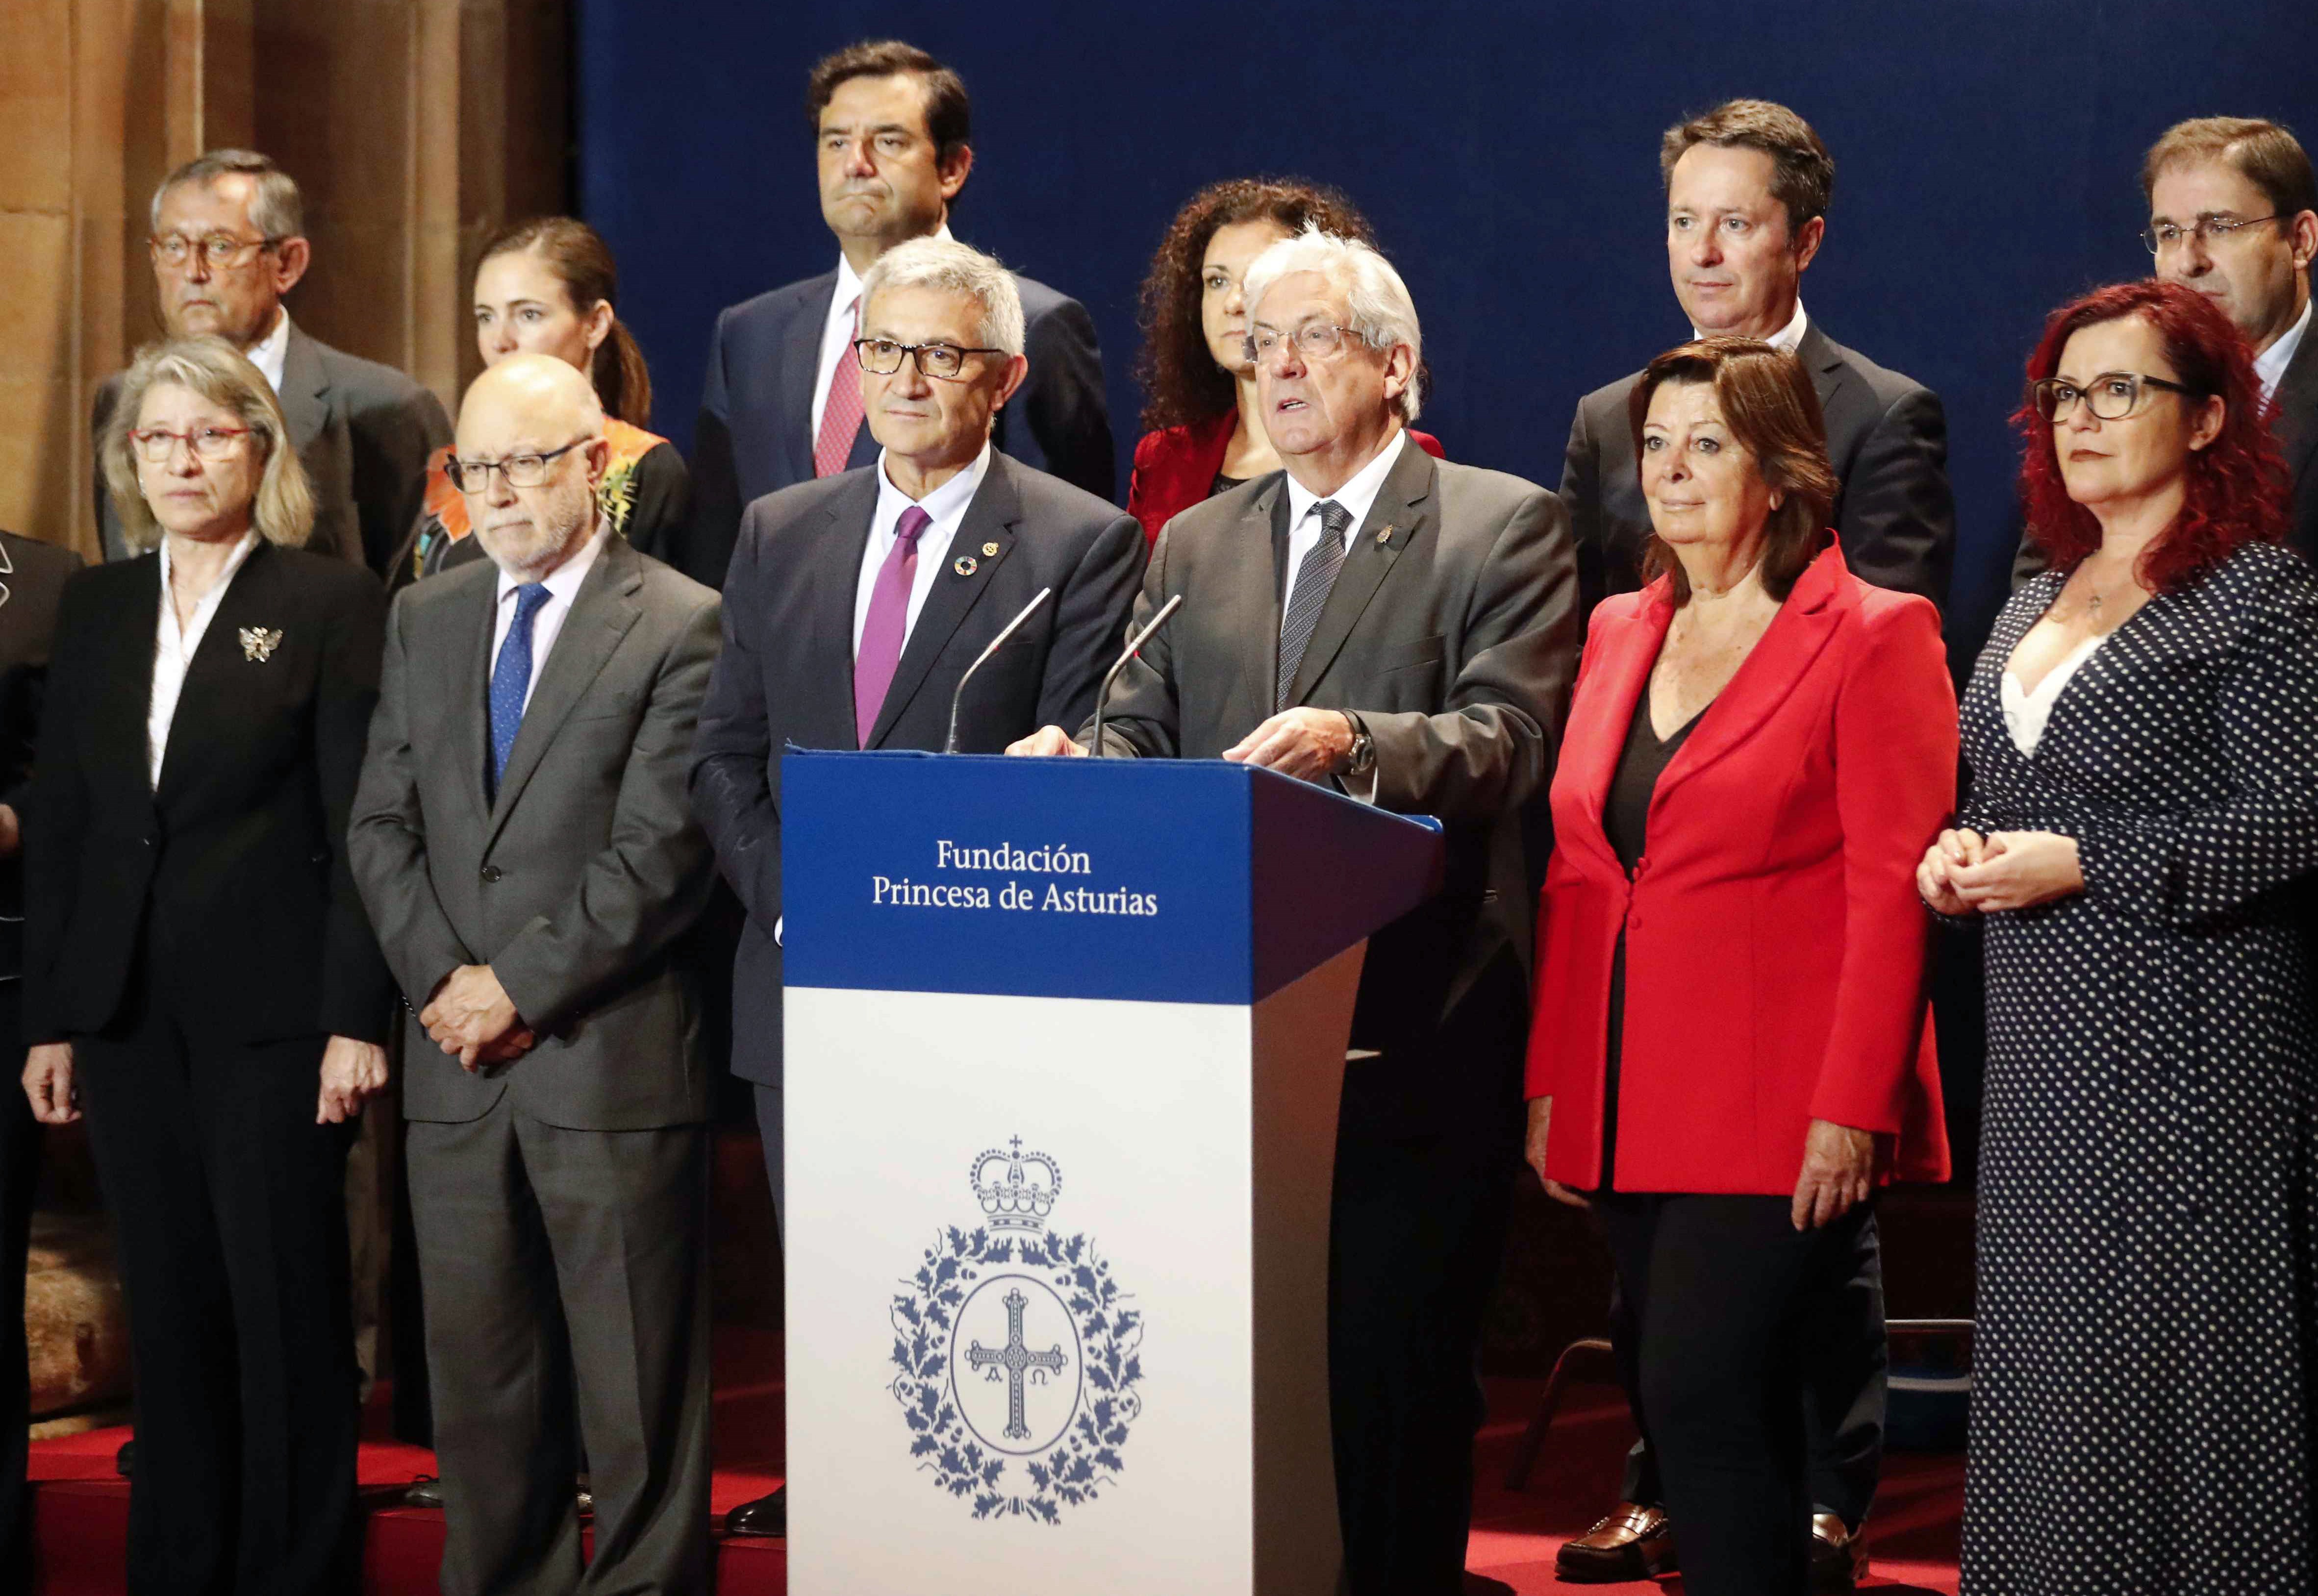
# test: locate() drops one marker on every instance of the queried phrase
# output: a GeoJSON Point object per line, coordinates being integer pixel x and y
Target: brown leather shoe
{"type": "Point", "coordinates": [1839, 1553]}
{"type": "Point", "coordinates": [1632, 1543]}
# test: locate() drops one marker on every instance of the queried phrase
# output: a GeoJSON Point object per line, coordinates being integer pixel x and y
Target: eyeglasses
{"type": "Point", "coordinates": [2162, 236]}
{"type": "Point", "coordinates": [882, 357]}
{"type": "Point", "coordinates": [1314, 340]}
{"type": "Point", "coordinates": [521, 470]}
{"type": "Point", "coordinates": [216, 252]}
{"type": "Point", "coordinates": [2111, 397]}
{"type": "Point", "coordinates": [212, 443]}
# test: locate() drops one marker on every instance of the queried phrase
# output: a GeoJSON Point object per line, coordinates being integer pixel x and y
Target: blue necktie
{"type": "Point", "coordinates": [511, 677]}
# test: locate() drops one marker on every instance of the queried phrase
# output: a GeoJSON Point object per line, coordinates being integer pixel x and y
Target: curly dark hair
{"type": "Point", "coordinates": [2237, 489]}
{"type": "Point", "coordinates": [1180, 381]}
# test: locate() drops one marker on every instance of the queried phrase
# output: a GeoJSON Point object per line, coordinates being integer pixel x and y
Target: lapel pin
{"type": "Point", "coordinates": [990, 550]}
{"type": "Point", "coordinates": [1384, 533]}
{"type": "Point", "coordinates": [965, 565]}
{"type": "Point", "coordinates": [257, 643]}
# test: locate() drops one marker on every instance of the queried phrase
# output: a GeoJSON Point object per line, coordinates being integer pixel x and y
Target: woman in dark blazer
{"type": "Point", "coordinates": [1205, 434]}
{"type": "Point", "coordinates": [199, 976]}
{"type": "Point", "coordinates": [1731, 1046]}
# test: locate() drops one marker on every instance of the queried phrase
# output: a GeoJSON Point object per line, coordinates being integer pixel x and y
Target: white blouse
{"type": "Point", "coordinates": [174, 649]}
{"type": "Point", "coordinates": [2026, 713]}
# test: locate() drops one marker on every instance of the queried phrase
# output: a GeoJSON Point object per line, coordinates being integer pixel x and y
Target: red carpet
{"type": "Point", "coordinates": [81, 1509]}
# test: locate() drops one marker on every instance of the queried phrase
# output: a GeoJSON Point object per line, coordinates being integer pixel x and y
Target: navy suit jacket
{"type": "Point", "coordinates": [787, 672]}
{"type": "Point", "coordinates": [756, 408]}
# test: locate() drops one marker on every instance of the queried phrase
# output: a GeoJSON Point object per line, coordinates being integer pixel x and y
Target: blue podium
{"type": "Point", "coordinates": [1064, 1039]}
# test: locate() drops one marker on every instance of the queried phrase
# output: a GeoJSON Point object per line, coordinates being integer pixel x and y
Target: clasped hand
{"type": "Point", "coordinates": [472, 1019]}
{"type": "Point", "coordinates": [1309, 744]}
{"type": "Point", "coordinates": [1965, 873]}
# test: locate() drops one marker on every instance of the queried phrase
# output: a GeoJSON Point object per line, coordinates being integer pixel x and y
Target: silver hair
{"type": "Point", "coordinates": [282, 507]}
{"type": "Point", "coordinates": [953, 267]}
{"type": "Point", "coordinates": [275, 210]}
{"type": "Point", "coordinates": [1375, 298]}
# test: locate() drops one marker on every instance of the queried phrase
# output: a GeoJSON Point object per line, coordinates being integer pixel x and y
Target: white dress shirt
{"type": "Point", "coordinates": [270, 350]}
{"type": "Point", "coordinates": [1787, 338]}
{"type": "Point", "coordinates": [946, 504]}
{"type": "Point", "coordinates": [562, 585]}
{"type": "Point", "coordinates": [173, 649]}
{"type": "Point", "coordinates": [2270, 364]}
{"type": "Point", "coordinates": [836, 333]}
{"type": "Point", "coordinates": [1358, 495]}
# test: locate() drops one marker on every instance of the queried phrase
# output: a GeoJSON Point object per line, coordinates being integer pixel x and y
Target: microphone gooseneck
{"type": "Point", "coordinates": [1102, 693]}
{"type": "Point", "coordinates": [949, 743]}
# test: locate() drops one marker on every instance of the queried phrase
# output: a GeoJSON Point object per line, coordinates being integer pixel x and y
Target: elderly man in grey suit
{"type": "Point", "coordinates": [229, 242]}
{"type": "Point", "coordinates": [1406, 628]}
{"type": "Point", "coordinates": [524, 845]}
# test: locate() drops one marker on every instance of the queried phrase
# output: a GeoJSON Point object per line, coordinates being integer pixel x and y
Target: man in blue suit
{"type": "Point", "coordinates": [782, 403]}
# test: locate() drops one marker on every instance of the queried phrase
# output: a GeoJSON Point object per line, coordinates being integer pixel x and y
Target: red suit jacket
{"type": "Point", "coordinates": [1175, 468]}
{"type": "Point", "coordinates": [1775, 947]}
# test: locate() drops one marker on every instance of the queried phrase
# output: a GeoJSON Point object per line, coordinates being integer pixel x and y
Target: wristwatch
{"type": "Point", "coordinates": [1363, 759]}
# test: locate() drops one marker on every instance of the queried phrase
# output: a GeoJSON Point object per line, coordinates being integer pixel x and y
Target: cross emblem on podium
{"type": "Point", "coordinates": [1017, 1360]}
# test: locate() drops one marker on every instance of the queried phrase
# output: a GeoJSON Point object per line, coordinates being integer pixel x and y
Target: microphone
{"type": "Point", "coordinates": [1132, 644]}
{"type": "Point", "coordinates": [949, 743]}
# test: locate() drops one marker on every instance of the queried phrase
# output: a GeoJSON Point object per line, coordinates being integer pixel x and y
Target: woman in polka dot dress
{"type": "Point", "coordinates": [2142, 734]}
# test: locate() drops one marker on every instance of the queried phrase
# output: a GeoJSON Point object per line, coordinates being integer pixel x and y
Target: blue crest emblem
{"type": "Point", "coordinates": [1018, 1357]}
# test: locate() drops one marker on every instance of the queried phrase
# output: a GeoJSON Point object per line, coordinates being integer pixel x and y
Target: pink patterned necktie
{"type": "Point", "coordinates": [888, 624]}
{"type": "Point", "coordinates": [841, 416]}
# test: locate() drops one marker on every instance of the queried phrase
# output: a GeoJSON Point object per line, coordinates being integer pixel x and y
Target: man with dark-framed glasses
{"type": "Point", "coordinates": [2233, 213]}
{"type": "Point", "coordinates": [855, 604]}
{"type": "Point", "coordinates": [227, 242]}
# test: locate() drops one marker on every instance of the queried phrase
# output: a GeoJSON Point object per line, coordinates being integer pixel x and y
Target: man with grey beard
{"type": "Point", "coordinates": [526, 850]}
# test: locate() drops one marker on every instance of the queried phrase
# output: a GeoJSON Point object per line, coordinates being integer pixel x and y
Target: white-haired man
{"type": "Point", "coordinates": [916, 561]}
{"type": "Point", "coordinates": [1427, 619]}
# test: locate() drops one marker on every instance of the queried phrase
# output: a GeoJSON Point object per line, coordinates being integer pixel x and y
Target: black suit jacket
{"type": "Point", "coordinates": [231, 876]}
{"type": "Point", "coordinates": [1452, 632]}
{"type": "Point", "coordinates": [2296, 421]}
{"type": "Point", "coordinates": [34, 575]}
{"type": "Point", "coordinates": [787, 672]}
{"type": "Point", "coordinates": [363, 432]}
{"type": "Point", "coordinates": [1887, 438]}
{"type": "Point", "coordinates": [756, 408]}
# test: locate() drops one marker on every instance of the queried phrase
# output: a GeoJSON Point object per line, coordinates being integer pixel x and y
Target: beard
{"type": "Point", "coordinates": [529, 549]}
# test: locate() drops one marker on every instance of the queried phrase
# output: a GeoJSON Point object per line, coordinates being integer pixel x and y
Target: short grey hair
{"type": "Point", "coordinates": [275, 210]}
{"type": "Point", "coordinates": [953, 267]}
{"type": "Point", "coordinates": [1375, 298]}
{"type": "Point", "coordinates": [283, 509]}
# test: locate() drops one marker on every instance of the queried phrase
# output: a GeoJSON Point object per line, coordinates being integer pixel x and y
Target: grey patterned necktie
{"type": "Point", "coordinates": [1314, 579]}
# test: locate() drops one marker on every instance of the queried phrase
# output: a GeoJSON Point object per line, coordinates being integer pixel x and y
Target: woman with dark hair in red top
{"type": "Point", "coordinates": [1204, 435]}
{"type": "Point", "coordinates": [2141, 737]}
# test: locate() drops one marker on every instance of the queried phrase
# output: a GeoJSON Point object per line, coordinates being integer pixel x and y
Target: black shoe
{"type": "Point", "coordinates": [125, 1459]}
{"type": "Point", "coordinates": [1839, 1553]}
{"type": "Point", "coordinates": [425, 1491]}
{"type": "Point", "coordinates": [767, 1515]}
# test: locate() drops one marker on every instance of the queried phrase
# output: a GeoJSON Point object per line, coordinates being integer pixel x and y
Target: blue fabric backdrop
{"type": "Point", "coordinates": [1986, 153]}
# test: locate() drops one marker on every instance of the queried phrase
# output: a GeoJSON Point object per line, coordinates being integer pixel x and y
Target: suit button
{"type": "Point", "coordinates": [492, 873]}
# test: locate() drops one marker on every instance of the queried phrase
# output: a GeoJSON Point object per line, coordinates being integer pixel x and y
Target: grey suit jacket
{"type": "Point", "coordinates": [572, 885]}
{"type": "Point", "coordinates": [1453, 632]}
{"type": "Point", "coordinates": [363, 432]}
{"type": "Point", "coordinates": [1887, 438]}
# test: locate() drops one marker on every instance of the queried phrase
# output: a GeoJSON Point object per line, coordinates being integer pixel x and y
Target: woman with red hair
{"type": "Point", "coordinates": [2142, 738]}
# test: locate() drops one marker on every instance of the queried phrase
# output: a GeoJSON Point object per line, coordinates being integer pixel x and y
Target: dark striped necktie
{"type": "Point", "coordinates": [1314, 578]}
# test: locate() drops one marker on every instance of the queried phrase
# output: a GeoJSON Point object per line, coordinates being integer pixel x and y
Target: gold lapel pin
{"type": "Point", "coordinates": [990, 550]}
{"type": "Point", "coordinates": [1384, 533]}
{"type": "Point", "coordinates": [258, 642]}
{"type": "Point", "coordinates": [965, 565]}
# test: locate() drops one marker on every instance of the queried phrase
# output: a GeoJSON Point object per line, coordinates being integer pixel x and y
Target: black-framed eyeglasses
{"type": "Point", "coordinates": [2162, 236]}
{"type": "Point", "coordinates": [521, 470]}
{"type": "Point", "coordinates": [215, 251]}
{"type": "Point", "coordinates": [2111, 397]}
{"type": "Point", "coordinates": [1314, 340]}
{"type": "Point", "coordinates": [882, 357]}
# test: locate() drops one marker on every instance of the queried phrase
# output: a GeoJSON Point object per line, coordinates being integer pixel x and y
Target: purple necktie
{"type": "Point", "coordinates": [887, 625]}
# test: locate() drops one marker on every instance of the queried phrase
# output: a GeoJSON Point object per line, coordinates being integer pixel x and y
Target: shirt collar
{"type": "Point", "coordinates": [2270, 364]}
{"type": "Point", "coordinates": [848, 280]}
{"type": "Point", "coordinates": [1359, 493]}
{"type": "Point", "coordinates": [948, 499]}
{"type": "Point", "coordinates": [233, 562]}
{"type": "Point", "coordinates": [1787, 338]}
{"type": "Point", "coordinates": [564, 582]}
{"type": "Point", "coordinates": [268, 353]}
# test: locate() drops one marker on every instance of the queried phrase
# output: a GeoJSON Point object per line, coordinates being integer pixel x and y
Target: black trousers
{"type": "Point", "coordinates": [20, 1175]}
{"type": "Point", "coordinates": [228, 1203]}
{"type": "Point", "coordinates": [1722, 1290]}
{"type": "Point", "coordinates": [1846, 1367]}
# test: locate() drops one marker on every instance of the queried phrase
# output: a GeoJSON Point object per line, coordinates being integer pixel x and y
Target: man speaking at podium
{"type": "Point", "coordinates": [857, 604]}
{"type": "Point", "coordinates": [1407, 629]}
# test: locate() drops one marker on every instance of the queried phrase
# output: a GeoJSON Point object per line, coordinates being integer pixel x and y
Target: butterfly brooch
{"type": "Point", "coordinates": [258, 642]}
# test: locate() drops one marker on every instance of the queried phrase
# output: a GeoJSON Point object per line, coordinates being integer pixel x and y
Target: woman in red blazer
{"type": "Point", "coordinates": [1204, 434]}
{"type": "Point", "coordinates": [1732, 1045]}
